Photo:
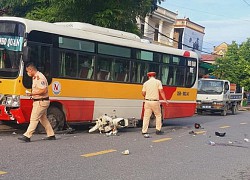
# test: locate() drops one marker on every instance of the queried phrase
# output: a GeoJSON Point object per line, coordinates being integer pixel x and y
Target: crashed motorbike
{"type": "Point", "coordinates": [107, 124]}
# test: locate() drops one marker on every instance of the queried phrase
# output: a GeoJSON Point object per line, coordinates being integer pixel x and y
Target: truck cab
{"type": "Point", "coordinates": [216, 95]}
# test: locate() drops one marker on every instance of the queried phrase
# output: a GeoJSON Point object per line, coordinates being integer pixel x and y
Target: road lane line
{"type": "Point", "coordinates": [2, 172]}
{"type": "Point", "coordinates": [200, 132]}
{"type": "Point", "coordinates": [99, 153]}
{"type": "Point", "coordinates": [243, 123]}
{"type": "Point", "coordinates": [161, 140]}
{"type": "Point", "coordinates": [224, 127]}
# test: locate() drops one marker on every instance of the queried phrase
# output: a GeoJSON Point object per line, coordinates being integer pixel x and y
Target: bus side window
{"type": "Point", "coordinates": [104, 66]}
{"type": "Point", "coordinates": [91, 69]}
{"type": "Point", "coordinates": [165, 73]}
{"type": "Point", "coordinates": [103, 75]}
{"type": "Point", "coordinates": [84, 72]}
{"type": "Point", "coordinates": [85, 66]}
{"type": "Point", "coordinates": [120, 70]}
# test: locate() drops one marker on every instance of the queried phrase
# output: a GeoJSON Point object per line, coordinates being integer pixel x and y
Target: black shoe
{"type": "Point", "coordinates": [50, 138]}
{"type": "Point", "coordinates": [24, 138]}
{"type": "Point", "coordinates": [159, 132]}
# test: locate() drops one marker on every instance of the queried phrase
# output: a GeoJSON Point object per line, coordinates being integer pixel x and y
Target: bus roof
{"type": "Point", "coordinates": [89, 35]}
{"type": "Point", "coordinates": [99, 30]}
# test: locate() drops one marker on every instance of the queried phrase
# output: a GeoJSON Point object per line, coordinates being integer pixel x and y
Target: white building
{"type": "Point", "coordinates": [158, 27]}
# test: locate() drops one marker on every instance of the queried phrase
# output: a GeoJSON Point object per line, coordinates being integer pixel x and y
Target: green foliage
{"type": "Point", "coordinates": [116, 14]}
{"type": "Point", "coordinates": [235, 65]}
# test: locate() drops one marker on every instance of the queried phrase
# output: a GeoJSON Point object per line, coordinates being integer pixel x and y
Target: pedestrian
{"type": "Point", "coordinates": [151, 90]}
{"type": "Point", "coordinates": [41, 102]}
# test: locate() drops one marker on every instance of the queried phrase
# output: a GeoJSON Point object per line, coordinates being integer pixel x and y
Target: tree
{"type": "Point", "coordinates": [235, 65]}
{"type": "Point", "coordinates": [115, 14]}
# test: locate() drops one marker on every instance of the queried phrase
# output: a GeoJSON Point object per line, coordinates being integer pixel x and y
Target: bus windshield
{"type": "Point", "coordinates": [11, 43]}
{"type": "Point", "coordinates": [9, 63]}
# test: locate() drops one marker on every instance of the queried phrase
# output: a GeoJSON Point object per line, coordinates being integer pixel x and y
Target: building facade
{"type": "Point", "coordinates": [188, 35]}
{"type": "Point", "coordinates": [158, 27]}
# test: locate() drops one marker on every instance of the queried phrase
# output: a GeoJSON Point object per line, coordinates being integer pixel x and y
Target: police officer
{"type": "Point", "coordinates": [41, 103]}
{"type": "Point", "coordinates": [151, 90]}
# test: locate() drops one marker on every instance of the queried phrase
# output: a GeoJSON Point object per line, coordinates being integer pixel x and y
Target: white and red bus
{"type": "Point", "coordinates": [91, 71]}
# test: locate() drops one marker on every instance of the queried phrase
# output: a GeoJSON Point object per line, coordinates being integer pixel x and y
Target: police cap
{"type": "Point", "coordinates": [149, 74]}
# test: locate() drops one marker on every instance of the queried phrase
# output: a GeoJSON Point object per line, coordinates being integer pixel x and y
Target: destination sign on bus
{"type": "Point", "coordinates": [13, 43]}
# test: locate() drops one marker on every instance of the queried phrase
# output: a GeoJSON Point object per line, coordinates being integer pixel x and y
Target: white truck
{"type": "Point", "coordinates": [216, 95]}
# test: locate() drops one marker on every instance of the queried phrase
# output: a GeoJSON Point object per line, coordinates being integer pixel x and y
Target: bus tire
{"type": "Point", "coordinates": [152, 120]}
{"type": "Point", "coordinates": [56, 118]}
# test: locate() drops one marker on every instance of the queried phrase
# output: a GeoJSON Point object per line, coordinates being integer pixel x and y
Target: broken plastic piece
{"type": "Point", "coordinates": [126, 152]}
{"type": "Point", "coordinates": [197, 126]}
{"type": "Point", "coordinates": [211, 143]}
{"type": "Point", "coordinates": [220, 134]}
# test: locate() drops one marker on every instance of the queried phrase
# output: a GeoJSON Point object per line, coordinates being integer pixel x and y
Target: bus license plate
{"type": "Point", "coordinates": [206, 107]}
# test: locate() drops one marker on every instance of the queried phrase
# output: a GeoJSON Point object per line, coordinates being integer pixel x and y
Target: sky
{"type": "Point", "coordinates": [224, 21]}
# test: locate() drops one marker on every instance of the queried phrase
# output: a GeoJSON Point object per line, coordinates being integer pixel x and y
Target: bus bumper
{"type": "Point", "coordinates": [11, 115]}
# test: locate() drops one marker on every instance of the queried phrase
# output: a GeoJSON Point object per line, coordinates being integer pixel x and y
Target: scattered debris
{"type": "Point", "coordinates": [246, 140]}
{"type": "Point", "coordinates": [14, 133]}
{"type": "Point", "coordinates": [197, 125]}
{"type": "Point", "coordinates": [126, 152]}
{"type": "Point", "coordinates": [211, 143]}
{"type": "Point", "coordinates": [220, 134]}
{"type": "Point", "coordinates": [192, 133]}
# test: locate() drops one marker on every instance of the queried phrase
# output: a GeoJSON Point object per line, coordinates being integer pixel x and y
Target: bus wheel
{"type": "Point", "coordinates": [56, 119]}
{"type": "Point", "coordinates": [152, 121]}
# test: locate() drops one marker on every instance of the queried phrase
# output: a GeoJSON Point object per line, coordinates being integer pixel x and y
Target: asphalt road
{"type": "Point", "coordinates": [175, 155]}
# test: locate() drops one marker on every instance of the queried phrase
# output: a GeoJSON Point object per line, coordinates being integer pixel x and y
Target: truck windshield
{"type": "Point", "coordinates": [11, 43]}
{"type": "Point", "coordinates": [210, 87]}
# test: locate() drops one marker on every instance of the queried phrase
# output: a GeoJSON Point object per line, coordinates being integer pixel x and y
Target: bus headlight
{"type": "Point", "coordinates": [11, 101]}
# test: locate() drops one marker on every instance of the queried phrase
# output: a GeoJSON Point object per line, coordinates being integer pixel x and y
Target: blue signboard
{"type": "Point", "coordinates": [13, 43]}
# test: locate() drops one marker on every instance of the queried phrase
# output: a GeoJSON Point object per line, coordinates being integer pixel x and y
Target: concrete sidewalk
{"type": "Point", "coordinates": [244, 108]}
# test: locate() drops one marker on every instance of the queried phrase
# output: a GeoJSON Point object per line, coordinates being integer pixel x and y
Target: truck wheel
{"type": "Point", "coordinates": [223, 112]}
{"type": "Point", "coordinates": [234, 109]}
{"type": "Point", "coordinates": [199, 112]}
{"type": "Point", "coordinates": [56, 119]}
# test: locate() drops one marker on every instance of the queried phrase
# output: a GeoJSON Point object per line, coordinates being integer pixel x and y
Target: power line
{"type": "Point", "coordinates": [246, 2]}
{"type": "Point", "coordinates": [205, 12]}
